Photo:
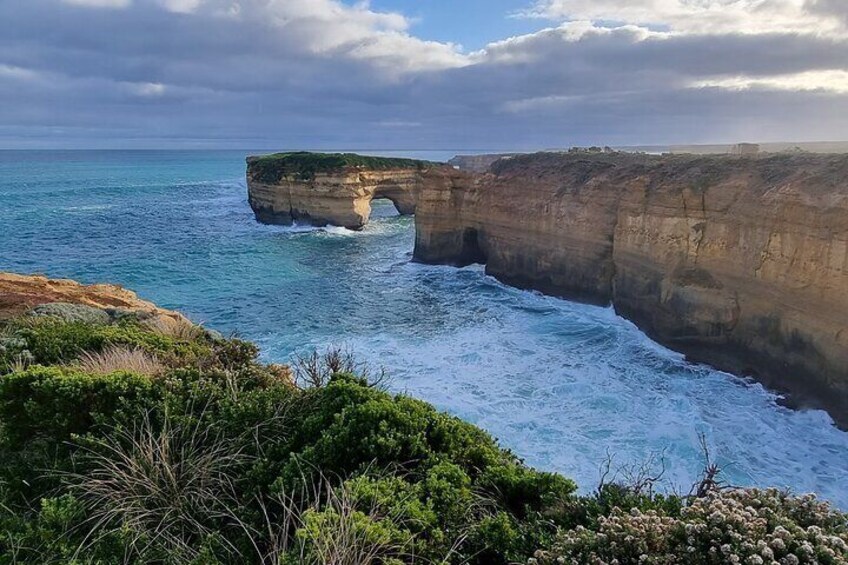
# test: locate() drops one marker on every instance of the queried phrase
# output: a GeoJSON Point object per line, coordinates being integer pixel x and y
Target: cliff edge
{"type": "Point", "coordinates": [39, 295]}
{"type": "Point", "coordinates": [330, 188]}
{"type": "Point", "coordinates": [741, 262]}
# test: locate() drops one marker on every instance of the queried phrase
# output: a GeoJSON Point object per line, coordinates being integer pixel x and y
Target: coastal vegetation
{"type": "Point", "coordinates": [127, 441]}
{"type": "Point", "coordinates": [304, 165]}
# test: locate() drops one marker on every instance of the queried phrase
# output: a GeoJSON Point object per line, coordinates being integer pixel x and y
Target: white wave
{"type": "Point", "coordinates": [562, 384]}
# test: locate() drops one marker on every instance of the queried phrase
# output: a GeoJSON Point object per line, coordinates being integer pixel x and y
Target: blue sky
{"type": "Point", "coordinates": [471, 23]}
{"type": "Point", "coordinates": [329, 74]}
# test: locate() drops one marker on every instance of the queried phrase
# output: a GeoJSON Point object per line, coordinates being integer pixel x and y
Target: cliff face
{"type": "Point", "coordinates": [739, 262]}
{"type": "Point", "coordinates": [341, 199]}
{"type": "Point", "coordinates": [322, 189]}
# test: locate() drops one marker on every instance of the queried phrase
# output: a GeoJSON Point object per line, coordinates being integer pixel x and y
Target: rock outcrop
{"type": "Point", "coordinates": [336, 189]}
{"type": "Point", "coordinates": [38, 295]}
{"type": "Point", "coordinates": [741, 262]}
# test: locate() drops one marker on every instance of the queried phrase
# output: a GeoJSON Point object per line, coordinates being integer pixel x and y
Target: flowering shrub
{"type": "Point", "coordinates": [745, 526]}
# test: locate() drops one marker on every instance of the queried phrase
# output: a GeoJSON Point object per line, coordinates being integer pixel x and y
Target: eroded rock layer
{"type": "Point", "coordinates": [741, 262]}
{"type": "Point", "coordinates": [335, 189]}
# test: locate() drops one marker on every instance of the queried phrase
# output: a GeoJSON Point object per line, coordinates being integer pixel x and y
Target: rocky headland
{"type": "Point", "coordinates": [330, 189]}
{"type": "Point", "coordinates": [741, 262]}
{"type": "Point", "coordinates": [37, 295]}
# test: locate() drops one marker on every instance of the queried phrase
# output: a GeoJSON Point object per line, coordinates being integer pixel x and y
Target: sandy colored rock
{"type": "Point", "coordinates": [741, 262]}
{"type": "Point", "coordinates": [331, 188]}
{"type": "Point", "coordinates": [21, 293]}
{"type": "Point", "coordinates": [339, 198]}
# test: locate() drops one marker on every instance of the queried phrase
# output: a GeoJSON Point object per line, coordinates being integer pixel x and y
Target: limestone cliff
{"type": "Point", "coordinates": [741, 262]}
{"type": "Point", "coordinates": [322, 189]}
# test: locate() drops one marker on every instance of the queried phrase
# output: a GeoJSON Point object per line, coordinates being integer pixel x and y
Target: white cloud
{"type": "Point", "coordinates": [149, 89]}
{"type": "Point", "coordinates": [181, 6]}
{"type": "Point", "coordinates": [333, 29]}
{"type": "Point", "coordinates": [835, 81]}
{"type": "Point", "coordinates": [699, 16]}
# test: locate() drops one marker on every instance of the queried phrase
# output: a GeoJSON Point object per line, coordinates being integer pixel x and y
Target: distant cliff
{"type": "Point", "coordinates": [477, 163]}
{"type": "Point", "coordinates": [741, 262]}
{"type": "Point", "coordinates": [336, 188]}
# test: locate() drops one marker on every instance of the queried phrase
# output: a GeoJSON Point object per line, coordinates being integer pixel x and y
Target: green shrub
{"type": "Point", "coordinates": [220, 459]}
{"type": "Point", "coordinates": [53, 403]}
{"type": "Point", "coordinates": [72, 313]}
{"type": "Point", "coordinates": [51, 340]}
{"type": "Point", "coordinates": [748, 526]}
{"type": "Point", "coordinates": [304, 165]}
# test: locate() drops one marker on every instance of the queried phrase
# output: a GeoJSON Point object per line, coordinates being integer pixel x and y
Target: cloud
{"type": "Point", "coordinates": [181, 6]}
{"type": "Point", "coordinates": [147, 88]}
{"type": "Point", "coordinates": [100, 3]}
{"type": "Point", "coordinates": [702, 16]}
{"type": "Point", "coordinates": [826, 81]}
{"type": "Point", "coordinates": [326, 74]}
{"type": "Point", "coordinates": [834, 8]}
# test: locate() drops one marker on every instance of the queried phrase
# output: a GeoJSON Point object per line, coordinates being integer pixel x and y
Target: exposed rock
{"type": "Point", "coordinates": [337, 189]}
{"type": "Point", "coordinates": [739, 262]}
{"type": "Point", "coordinates": [72, 301]}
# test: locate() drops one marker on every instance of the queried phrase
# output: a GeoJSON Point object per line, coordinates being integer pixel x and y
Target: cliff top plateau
{"type": "Point", "coordinates": [304, 164]}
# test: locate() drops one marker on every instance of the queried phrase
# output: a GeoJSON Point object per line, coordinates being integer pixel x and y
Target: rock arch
{"type": "Point", "coordinates": [337, 196]}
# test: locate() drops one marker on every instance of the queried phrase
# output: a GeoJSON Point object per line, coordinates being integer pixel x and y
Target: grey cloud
{"type": "Point", "coordinates": [141, 75]}
{"type": "Point", "coordinates": [838, 8]}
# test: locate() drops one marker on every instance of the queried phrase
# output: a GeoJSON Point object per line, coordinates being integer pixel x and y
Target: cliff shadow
{"type": "Point", "coordinates": [471, 251]}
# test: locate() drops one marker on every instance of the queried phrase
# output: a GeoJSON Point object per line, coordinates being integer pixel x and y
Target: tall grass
{"type": "Point", "coordinates": [117, 358]}
{"type": "Point", "coordinates": [171, 485]}
{"type": "Point", "coordinates": [168, 484]}
{"type": "Point", "coordinates": [179, 329]}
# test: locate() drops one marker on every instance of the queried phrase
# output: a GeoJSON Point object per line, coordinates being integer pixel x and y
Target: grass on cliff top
{"type": "Point", "coordinates": [304, 165]}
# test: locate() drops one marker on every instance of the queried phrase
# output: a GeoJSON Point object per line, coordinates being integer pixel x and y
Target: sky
{"type": "Point", "coordinates": [414, 75]}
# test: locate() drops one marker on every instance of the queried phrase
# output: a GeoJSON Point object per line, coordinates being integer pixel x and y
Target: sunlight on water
{"type": "Point", "coordinates": [559, 383]}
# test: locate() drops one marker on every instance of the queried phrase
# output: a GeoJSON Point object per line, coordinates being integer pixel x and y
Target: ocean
{"type": "Point", "coordinates": [561, 384]}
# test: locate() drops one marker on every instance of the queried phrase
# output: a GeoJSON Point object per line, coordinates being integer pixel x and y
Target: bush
{"type": "Point", "coordinates": [52, 404]}
{"type": "Point", "coordinates": [50, 340]}
{"type": "Point", "coordinates": [72, 313]}
{"type": "Point", "coordinates": [735, 526]}
{"type": "Point", "coordinates": [304, 165]}
{"type": "Point", "coordinates": [220, 459]}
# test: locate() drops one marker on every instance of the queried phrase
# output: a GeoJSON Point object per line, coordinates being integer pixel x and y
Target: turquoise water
{"type": "Point", "coordinates": [559, 383]}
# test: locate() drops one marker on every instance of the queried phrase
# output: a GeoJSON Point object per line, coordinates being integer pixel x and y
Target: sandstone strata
{"type": "Point", "coordinates": [741, 262]}
{"type": "Point", "coordinates": [321, 189]}
{"type": "Point", "coordinates": [20, 294]}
